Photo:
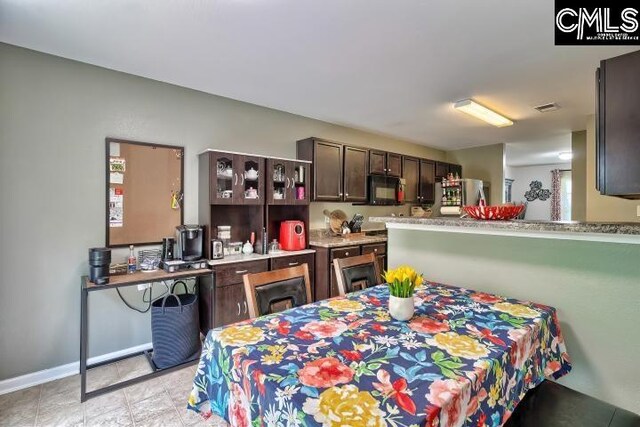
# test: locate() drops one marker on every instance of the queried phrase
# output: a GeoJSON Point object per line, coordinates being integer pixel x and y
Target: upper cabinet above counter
{"type": "Point", "coordinates": [618, 126]}
{"type": "Point", "coordinates": [248, 179]}
{"type": "Point", "coordinates": [340, 171]}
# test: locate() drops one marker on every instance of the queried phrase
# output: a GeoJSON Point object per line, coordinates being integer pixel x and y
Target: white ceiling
{"type": "Point", "coordinates": [391, 67]}
{"type": "Point", "coordinates": [537, 152]}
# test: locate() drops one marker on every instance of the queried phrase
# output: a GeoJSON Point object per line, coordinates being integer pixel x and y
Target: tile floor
{"type": "Point", "coordinates": [160, 401]}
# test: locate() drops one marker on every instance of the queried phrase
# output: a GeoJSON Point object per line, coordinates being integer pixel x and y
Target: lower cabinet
{"type": "Point", "coordinates": [230, 305]}
{"type": "Point", "coordinates": [226, 297]}
{"type": "Point", "coordinates": [326, 284]}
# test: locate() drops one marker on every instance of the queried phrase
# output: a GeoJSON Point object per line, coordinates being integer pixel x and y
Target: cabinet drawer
{"type": "Point", "coordinates": [376, 248]}
{"type": "Point", "coordinates": [345, 252]}
{"type": "Point", "coordinates": [231, 274]}
{"type": "Point", "coordinates": [292, 261]}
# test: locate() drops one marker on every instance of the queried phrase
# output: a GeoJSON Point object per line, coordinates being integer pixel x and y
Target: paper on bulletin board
{"type": "Point", "coordinates": [116, 207]}
{"type": "Point", "coordinates": [116, 178]}
{"type": "Point", "coordinates": [117, 164]}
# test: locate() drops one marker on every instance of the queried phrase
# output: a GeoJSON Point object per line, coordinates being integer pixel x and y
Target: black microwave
{"type": "Point", "coordinates": [383, 190]}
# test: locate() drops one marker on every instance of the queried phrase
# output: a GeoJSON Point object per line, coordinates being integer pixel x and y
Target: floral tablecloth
{"type": "Point", "coordinates": [466, 358]}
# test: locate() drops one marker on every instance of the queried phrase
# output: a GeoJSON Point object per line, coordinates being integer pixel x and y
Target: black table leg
{"type": "Point", "coordinates": [84, 324]}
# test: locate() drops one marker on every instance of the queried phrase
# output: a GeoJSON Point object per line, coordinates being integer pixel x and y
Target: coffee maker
{"type": "Point", "coordinates": [189, 242]}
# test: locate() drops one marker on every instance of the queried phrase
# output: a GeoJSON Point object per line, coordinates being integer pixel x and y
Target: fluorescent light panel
{"type": "Point", "coordinates": [481, 112]}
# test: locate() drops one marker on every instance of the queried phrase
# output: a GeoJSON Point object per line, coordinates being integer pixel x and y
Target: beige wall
{"type": "Point", "coordinates": [579, 176]}
{"type": "Point", "coordinates": [599, 207]}
{"type": "Point", "coordinates": [485, 163]}
{"type": "Point", "coordinates": [54, 117]}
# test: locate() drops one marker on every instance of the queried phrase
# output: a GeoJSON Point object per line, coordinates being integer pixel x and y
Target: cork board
{"type": "Point", "coordinates": [144, 192]}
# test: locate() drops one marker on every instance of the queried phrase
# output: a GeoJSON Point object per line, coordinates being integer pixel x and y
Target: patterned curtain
{"type": "Point", "coordinates": [555, 195]}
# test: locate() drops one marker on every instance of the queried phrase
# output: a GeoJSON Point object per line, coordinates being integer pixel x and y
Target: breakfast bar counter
{"type": "Point", "coordinates": [588, 271]}
{"type": "Point", "coordinates": [615, 232]}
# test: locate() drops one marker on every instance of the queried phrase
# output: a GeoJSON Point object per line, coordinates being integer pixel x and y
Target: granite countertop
{"type": "Point", "coordinates": [617, 232]}
{"type": "Point", "coordinates": [230, 259]}
{"type": "Point", "coordinates": [321, 239]}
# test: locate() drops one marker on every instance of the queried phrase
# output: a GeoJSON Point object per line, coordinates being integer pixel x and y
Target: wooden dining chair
{"type": "Point", "coordinates": [356, 273]}
{"type": "Point", "coordinates": [277, 290]}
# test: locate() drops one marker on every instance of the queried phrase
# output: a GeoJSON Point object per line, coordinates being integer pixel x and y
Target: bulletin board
{"type": "Point", "coordinates": [144, 200]}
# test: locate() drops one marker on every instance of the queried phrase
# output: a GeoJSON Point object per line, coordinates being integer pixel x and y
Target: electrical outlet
{"type": "Point", "coordinates": [638, 211]}
{"type": "Point", "coordinates": [144, 286]}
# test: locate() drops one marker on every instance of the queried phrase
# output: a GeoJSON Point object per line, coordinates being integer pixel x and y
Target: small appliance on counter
{"type": "Point", "coordinates": [99, 260]}
{"type": "Point", "coordinates": [217, 249]}
{"type": "Point", "coordinates": [292, 236]}
{"type": "Point", "coordinates": [189, 242]}
{"type": "Point", "coordinates": [168, 244]}
{"type": "Point", "coordinates": [189, 249]}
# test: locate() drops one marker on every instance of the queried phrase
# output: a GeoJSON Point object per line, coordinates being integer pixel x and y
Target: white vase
{"type": "Point", "coordinates": [401, 308]}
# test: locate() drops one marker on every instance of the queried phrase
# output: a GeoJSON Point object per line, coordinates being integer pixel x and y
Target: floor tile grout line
{"type": "Point", "coordinates": [35, 421]}
{"type": "Point", "coordinates": [126, 398]}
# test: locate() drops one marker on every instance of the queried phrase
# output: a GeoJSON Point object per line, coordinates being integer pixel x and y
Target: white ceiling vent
{"type": "Point", "coordinates": [545, 108]}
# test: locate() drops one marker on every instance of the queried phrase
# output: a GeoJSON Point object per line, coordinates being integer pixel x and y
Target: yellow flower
{"type": "Point", "coordinates": [402, 273]}
{"type": "Point", "coordinates": [494, 394]}
{"type": "Point", "coordinates": [192, 397]}
{"type": "Point", "coordinates": [241, 335]}
{"type": "Point", "coordinates": [382, 316]}
{"type": "Point", "coordinates": [345, 305]}
{"type": "Point", "coordinates": [276, 352]}
{"type": "Point", "coordinates": [516, 310]}
{"type": "Point", "coordinates": [345, 406]}
{"type": "Point", "coordinates": [460, 345]}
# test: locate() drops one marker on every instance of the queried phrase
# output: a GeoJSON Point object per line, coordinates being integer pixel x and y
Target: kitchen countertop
{"type": "Point", "coordinates": [230, 259]}
{"type": "Point", "coordinates": [613, 232]}
{"type": "Point", "coordinates": [321, 239]}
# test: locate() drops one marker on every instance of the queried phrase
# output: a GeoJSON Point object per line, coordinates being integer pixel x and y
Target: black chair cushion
{"type": "Point", "coordinates": [553, 405]}
{"type": "Point", "coordinates": [290, 290]}
{"type": "Point", "coordinates": [364, 274]}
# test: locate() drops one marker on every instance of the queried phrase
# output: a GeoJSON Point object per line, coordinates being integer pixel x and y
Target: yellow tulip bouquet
{"type": "Point", "coordinates": [402, 281]}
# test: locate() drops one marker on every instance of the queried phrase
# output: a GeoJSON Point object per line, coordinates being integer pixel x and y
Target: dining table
{"type": "Point", "coordinates": [465, 358]}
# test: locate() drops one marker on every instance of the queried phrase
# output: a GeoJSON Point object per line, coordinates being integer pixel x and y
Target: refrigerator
{"type": "Point", "coordinates": [451, 195]}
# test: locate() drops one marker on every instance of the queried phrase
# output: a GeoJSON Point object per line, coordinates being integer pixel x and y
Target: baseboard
{"type": "Point", "coordinates": [46, 375]}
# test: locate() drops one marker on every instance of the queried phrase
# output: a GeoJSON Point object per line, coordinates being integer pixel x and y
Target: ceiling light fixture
{"type": "Point", "coordinates": [567, 155]}
{"type": "Point", "coordinates": [481, 112]}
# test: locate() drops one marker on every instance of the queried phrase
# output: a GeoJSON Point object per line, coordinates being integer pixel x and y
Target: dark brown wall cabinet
{"type": "Point", "coordinates": [618, 126]}
{"type": "Point", "coordinates": [339, 171]}
{"type": "Point", "coordinates": [426, 191]}
{"type": "Point", "coordinates": [411, 174]}
{"type": "Point", "coordinates": [443, 169]}
{"type": "Point", "coordinates": [383, 163]}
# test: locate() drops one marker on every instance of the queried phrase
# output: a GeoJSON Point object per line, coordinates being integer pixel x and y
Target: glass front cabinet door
{"type": "Point", "coordinates": [224, 178]}
{"type": "Point", "coordinates": [251, 180]}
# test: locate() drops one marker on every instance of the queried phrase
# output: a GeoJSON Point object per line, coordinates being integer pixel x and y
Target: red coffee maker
{"type": "Point", "coordinates": [292, 236]}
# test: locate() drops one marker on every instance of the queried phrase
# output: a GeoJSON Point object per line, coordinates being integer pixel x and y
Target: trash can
{"type": "Point", "coordinates": [175, 329]}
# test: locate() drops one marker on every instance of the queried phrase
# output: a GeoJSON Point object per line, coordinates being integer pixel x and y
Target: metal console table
{"type": "Point", "coordinates": [115, 282]}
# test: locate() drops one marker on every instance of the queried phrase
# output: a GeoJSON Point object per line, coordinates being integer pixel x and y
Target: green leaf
{"type": "Point", "coordinates": [450, 364]}
{"type": "Point", "coordinates": [448, 373]}
{"type": "Point", "coordinates": [437, 356]}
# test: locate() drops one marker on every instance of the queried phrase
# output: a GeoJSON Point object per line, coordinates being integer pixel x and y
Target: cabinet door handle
{"type": "Point", "coordinates": [235, 182]}
{"type": "Point", "coordinates": [291, 264]}
{"type": "Point", "coordinates": [287, 182]}
{"type": "Point", "coordinates": [375, 250]}
{"type": "Point", "coordinates": [346, 253]}
{"type": "Point", "coordinates": [239, 309]}
{"type": "Point", "coordinates": [340, 194]}
{"type": "Point", "coordinates": [241, 271]}
{"type": "Point", "coordinates": [245, 308]}
{"type": "Point", "coordinates": [346, 194]}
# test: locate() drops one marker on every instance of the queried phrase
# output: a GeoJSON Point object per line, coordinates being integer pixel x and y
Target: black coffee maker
{"type": "Point", "coordinates": [189, 242]}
